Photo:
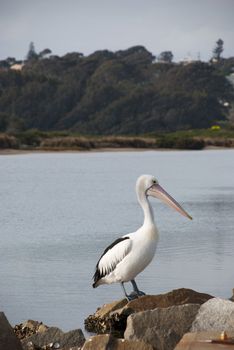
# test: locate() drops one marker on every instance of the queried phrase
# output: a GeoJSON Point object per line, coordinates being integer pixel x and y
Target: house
{"type": "Point", "coordinates": [17, 66]}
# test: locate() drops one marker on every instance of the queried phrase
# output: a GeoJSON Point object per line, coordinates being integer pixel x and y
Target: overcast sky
{"type": "Point", "coordinates": [186, 27]}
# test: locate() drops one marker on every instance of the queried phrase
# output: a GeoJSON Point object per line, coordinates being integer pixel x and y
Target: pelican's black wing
{"type": "Point", "coordinates": [112, 255]}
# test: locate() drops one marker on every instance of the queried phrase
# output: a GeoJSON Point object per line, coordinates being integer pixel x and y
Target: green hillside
{"type": "Point", "coordinates": [105, 93]}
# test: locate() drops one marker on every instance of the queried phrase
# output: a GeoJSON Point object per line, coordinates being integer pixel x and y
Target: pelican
{"type": "Point", "coordinates": [129, 255]}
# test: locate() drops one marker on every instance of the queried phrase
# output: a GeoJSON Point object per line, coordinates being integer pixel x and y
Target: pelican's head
{"type": "Point", "coordinates": [148, 185]}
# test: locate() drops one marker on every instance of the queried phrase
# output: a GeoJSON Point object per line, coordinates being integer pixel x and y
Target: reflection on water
{"type": "Point", "coordinates": [59, 211]}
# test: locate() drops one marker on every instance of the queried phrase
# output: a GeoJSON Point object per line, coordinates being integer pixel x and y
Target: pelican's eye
{"type": "Point", "coordinates": [154, 181]}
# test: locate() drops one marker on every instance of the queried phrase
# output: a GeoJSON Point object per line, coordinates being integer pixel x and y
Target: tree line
{"type": "Point", "coordinates": [164, 56]}
{"type": "Point", "coordinates": [122, 92]}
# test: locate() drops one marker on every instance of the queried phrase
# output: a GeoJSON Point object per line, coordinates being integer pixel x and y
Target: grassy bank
{"type": "Point", "coordinates": [58, 141]}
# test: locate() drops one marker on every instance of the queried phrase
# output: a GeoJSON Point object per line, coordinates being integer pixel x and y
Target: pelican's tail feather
{"type": "Point", "coordinates": [96, 278]}
{"type": "Point", "coordinates": [95, 284]}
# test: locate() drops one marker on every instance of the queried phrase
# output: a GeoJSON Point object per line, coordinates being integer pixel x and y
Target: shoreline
{"type": "Point", "coordinates": [10, 151]}
{"type": "Point", "coordinates": [195, 315]}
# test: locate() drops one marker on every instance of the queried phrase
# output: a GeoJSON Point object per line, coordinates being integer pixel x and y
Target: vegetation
{"type": "Point", "coordinates": [218, 49]}
{"type": "Point", "coordinates": [31, 55]}
{"type": "Point", "coordinates": [187, 139]}
{"type": "Point", "coordinates": [7, 141]}
{"type": "Point", "coordinates": [111, 93]}
{"type": "Point", "coordinates": [166, 56]}
{"type": "Point", "coordinates": [225, 66]}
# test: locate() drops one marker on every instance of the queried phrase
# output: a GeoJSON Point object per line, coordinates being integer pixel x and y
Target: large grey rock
{"type": "Point", "coordinates": [200, 341]}
{"type": "Point", "coordinates": [8, 340]}
{"type": "Point", "coordinates": [55, 335]}
{"type": "Point", "coordinates": [163, 327]}
{"type": "Point", "coordinates": [114, 316]}
{"type": "Point", "coordinates": [108, 342]}
{"type": "Point", "coordinates": [216, 314]}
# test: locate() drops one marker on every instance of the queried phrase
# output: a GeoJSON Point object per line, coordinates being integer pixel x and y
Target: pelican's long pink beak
{"type": "Point", "coordinates": [158, 192]}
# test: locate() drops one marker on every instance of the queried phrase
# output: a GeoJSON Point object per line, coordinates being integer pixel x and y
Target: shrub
{"type": "Point", "coordinates": [7, 141]}
{"type": "Point", "coordinates": [180, 142]}
{"type": "Point", "coordinates": [68, 142]}
{"type": "Point", "coordinates": [215, 127]}
{"type": "Point", "coordinates": [125, 142]}
{"type": "Point", "coordinates": [189, 143]}
{"type": "Point", "coordinates": [30, 137]}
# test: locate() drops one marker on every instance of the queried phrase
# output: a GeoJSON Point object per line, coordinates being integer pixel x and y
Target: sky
{"type": "Point", "coordinates": [188, 28]}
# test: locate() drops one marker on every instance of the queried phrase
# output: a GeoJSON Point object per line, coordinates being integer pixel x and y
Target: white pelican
{"type": "Point", "coordinates": [125, 258]}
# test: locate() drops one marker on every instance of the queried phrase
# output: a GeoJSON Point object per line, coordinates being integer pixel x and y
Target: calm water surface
{"type": "Point", "coordinates": [59, 211]}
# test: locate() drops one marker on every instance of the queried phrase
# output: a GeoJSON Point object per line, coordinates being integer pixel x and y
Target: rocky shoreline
{"type": "Point", "coordinates": [180, 319]}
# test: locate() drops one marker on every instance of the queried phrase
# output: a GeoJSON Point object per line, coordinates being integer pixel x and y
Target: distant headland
{"type": "Point", "coordinates": [127, 98]}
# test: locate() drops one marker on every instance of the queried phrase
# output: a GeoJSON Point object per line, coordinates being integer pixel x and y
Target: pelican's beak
{"type": "Point", "coordinates": [158, 192]}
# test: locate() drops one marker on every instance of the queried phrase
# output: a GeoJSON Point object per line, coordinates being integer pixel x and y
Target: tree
{"type": "Point", "coordinates": [44, 53]}
{"type": "Point", "coordinates": [10, 60]}
{"type": "Point", "coordinates": [218, 49]}
{"type": "Point", "coordinates": [113, 93]}
{"type": "Point", "coordinates": [31, 55]}
{"type": "Point", "coordinates": [15, 124]}
{"type": "Point", "coordinates": [3, 121]}
{"type": "Point", "coordinates": [166, 56]}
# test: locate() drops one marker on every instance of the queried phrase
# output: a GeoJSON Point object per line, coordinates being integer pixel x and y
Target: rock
{"type": "Point", "coordinates": [54, 335]}
{"type": "Point", "coordinates": [108, 342]}
{"type": "Point", "coordinates": [114, 316]}
{"type": "Point", "coordinates": [232, 297]}
{"type": "Point", "coordinates": [101, 321]}
{"type": "Point", "coordinates": [107, 308]}
{"type": "Point", "coordinates": [28, 328]}
{"type": "Point", "coordinates": [197, 341]}
{"type": "Point", "coordinates": [42, 328]}
{"type": "Point", "coordinates": [162, 327]}
{"type": "Point", "coordinates": [8, 340]}
{"type": "Point", "coordinates": [175, 297]}
{"type": "Point", "coordinates": [216, 314]}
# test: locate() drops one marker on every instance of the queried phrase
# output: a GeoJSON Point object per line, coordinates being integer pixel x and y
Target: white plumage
{"type": "Point", "coordinates": [125, 258]}
{"type": "Point", "coordinates": [111, 262]}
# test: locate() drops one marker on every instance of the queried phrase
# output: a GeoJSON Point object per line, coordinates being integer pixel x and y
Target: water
{"type": "Point", "coordinates": [60, 210]}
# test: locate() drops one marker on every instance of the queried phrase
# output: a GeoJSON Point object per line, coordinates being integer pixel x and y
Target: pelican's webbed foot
{"type": "Point", "coordinates": [136, 290]}
{"type": "Point", "coordinates": [131, 296]}
{"type": "Point", "coordinates": [140, 293]}
{"type": "Point", "coordinates": [136, 293]}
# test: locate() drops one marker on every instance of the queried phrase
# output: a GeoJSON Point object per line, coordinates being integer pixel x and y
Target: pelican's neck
{"type": "Point", "coordinates": [147, 209]}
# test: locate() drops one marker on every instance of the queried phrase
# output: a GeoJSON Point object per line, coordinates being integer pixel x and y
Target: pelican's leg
{"type": "Point", "coordinates": [139, 293]}
{"type": "Point", "coordinates": [132, 296]}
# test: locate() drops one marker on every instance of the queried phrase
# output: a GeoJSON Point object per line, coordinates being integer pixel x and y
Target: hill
{"type": "Point", "coordinates": [123, 92]}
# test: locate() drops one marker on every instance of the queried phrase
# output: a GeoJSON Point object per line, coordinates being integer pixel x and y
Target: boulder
{"type": "Point", "coordinates": [162, 327]}
{"type": "Point", "coordinates": [175, 297]}
{"type": "Point", "coordinates": [54, 335]}
{"type": "Point", "coordinates": [216, 314]}
{"type": "Point", "coordinates": [201, 341]}
{"type": "Point", "coordinates": [108, 342]}
{"type": "Point", "coordinates": [8, 340]}
{"type": "Point", "coordinates": [232, 297]}
{"type": "Point", "coordinates": [28, 328]}
{"type": "Point", "coordinates": [102, 320]}
{"type": "Point", "coordinates": [114, 316]}
{"type": "Point", "coordinates": [106, 309]}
